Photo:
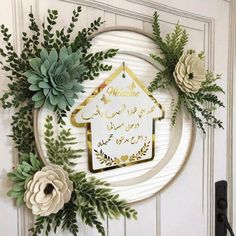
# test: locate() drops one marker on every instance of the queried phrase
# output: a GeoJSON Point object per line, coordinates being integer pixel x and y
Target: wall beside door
{"type": "Point", "coordinates": [186, 207]}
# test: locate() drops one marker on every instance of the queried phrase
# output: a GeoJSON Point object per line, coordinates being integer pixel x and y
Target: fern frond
{"type": "Point", "coordinates": [171, 50]}
{"type": "Point", "coordinates": [176, 110]}
{"type": "Point", "coordinates": [160, 81]}
{"type": "Point", "coordinates": [59, 148]}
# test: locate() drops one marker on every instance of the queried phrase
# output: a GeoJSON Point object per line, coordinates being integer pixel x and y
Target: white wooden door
{"type": "Point", "coordinates": [186, 207]}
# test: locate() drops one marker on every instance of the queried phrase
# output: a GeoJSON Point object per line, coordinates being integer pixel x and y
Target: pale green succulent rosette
{"type": "Point", "coordinates": [56, 78]}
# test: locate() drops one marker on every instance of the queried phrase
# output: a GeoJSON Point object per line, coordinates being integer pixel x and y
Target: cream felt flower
{"type": "Point", "coordinates": [190, 72]}
{"type": "Point", "coordinates": [48, 191]}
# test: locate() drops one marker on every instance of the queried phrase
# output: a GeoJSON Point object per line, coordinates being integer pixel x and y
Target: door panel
{"type": "Point", "coordinates": [186, 207]}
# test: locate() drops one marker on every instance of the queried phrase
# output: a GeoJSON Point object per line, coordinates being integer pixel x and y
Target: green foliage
{"type": "Point", "coordinates": [59, 150]}
{"type": "Point", "coordinates": [22, 129]}
{"type": "Point", "coordinates": [14, 66]}
{"type": "Point", "coordinates": [82, 39]}
{"type": "Point", "coordinates": [20, 176]}
{"type": "Point", "coordinates": [176, 110]}
{"type": "Point", "coordinates": [91, 198]}
{"type": "Point", "coordinates": [31, 44]}
{"type": "Point", "coordinates": [201, 105]}
{"type": "Point", "coordinates": [20, 91]}
{"type": "Point", "coordinates": [94, 63]}
{"type": "Point", "coordinates": [66, 218]}
{"type": "Point", "coordinates": [48, 34]}
{"type": "Point", "coordinates": [51, 38]}
{"type": "Point", "coordinates": [42, 225]}
{"type": "Point", "coordinates": [43, 53]}
{"type": "Point", "coordinates": [171, 49]}
{"type": "Point", "coordinates": [95, 199]}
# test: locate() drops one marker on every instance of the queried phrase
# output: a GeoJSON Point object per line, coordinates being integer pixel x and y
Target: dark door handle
{"type": "Point", "coordinates": [221, 205]}
{"type": "Point", "coordinates": [224, 218]}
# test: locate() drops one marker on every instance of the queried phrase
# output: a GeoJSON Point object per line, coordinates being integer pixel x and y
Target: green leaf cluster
{"type": "Point", "coordinates": [22, 129]}
{"type": "Point", "coordinates": [171, 49]}
{"type": "Point", "coordinates": [200, 105]}
{"type": "Point", "coordinates": [65, 219]}
{"type": "Point", "coordinates": [42, 225]}
{"type": "Point", "coordinates": [20, 176]}
{"type": "Point", "coordinates": [59, 148]}
{"type": "Point", "coordinates": [91, 199]}
{"type": "Point", "coordinates": [19, 94]}
{"type": "Point", "coordinates": [94, 197]}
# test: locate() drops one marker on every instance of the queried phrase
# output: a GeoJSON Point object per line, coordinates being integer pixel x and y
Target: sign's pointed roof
{"type": "Point", "coordinates": [112, 87]}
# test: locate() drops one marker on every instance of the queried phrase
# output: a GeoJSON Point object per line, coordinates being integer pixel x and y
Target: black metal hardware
{"type": "Point", "coordinates": [221, 206]}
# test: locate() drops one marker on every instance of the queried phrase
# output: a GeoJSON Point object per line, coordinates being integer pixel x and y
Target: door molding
{"type": "Point", "coordinates": [231, 168]}
{"type": "Point", "coordinates": [209, 39]}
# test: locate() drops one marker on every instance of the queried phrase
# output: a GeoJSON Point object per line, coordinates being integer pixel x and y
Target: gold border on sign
{"type": "Point", "coordinates": [87, 125]}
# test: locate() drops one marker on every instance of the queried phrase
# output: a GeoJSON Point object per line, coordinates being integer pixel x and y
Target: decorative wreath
{"type": "Point", "coordinates": [50, 72]}
{"type": "Point", "coordinates": [185, 71]}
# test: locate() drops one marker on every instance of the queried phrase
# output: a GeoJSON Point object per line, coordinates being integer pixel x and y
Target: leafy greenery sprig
{"type": "Point", "coordinates": [59, 150]}
{"type": "Point", "coordinates": [91, 198]}
{"type": "Point", "coordinates": [202, 104]}
{"type": "Point", "coordinates": [94, 199]}
{"type": "Point", "coordinates": [16, 65]}
{"type": "Point", "coordinates": [171, 48]}
{"type": "Point", "coordinates": [21, 175]}
{"type": "Point", "coordinates": [22, 129]}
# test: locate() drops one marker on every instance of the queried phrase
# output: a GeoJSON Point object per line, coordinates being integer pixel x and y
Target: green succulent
{"type": "Point", "coordinates": [56, 77]}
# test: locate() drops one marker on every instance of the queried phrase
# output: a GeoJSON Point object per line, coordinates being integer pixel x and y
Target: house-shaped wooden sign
{"type": "Point", "coordinates": [120, 118]}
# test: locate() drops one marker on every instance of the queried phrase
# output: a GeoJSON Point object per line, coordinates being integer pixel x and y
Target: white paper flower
{"type": "Point", "coordinates": [48, 191]}
{"type": "Point", "coordinates": [190, 72]}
